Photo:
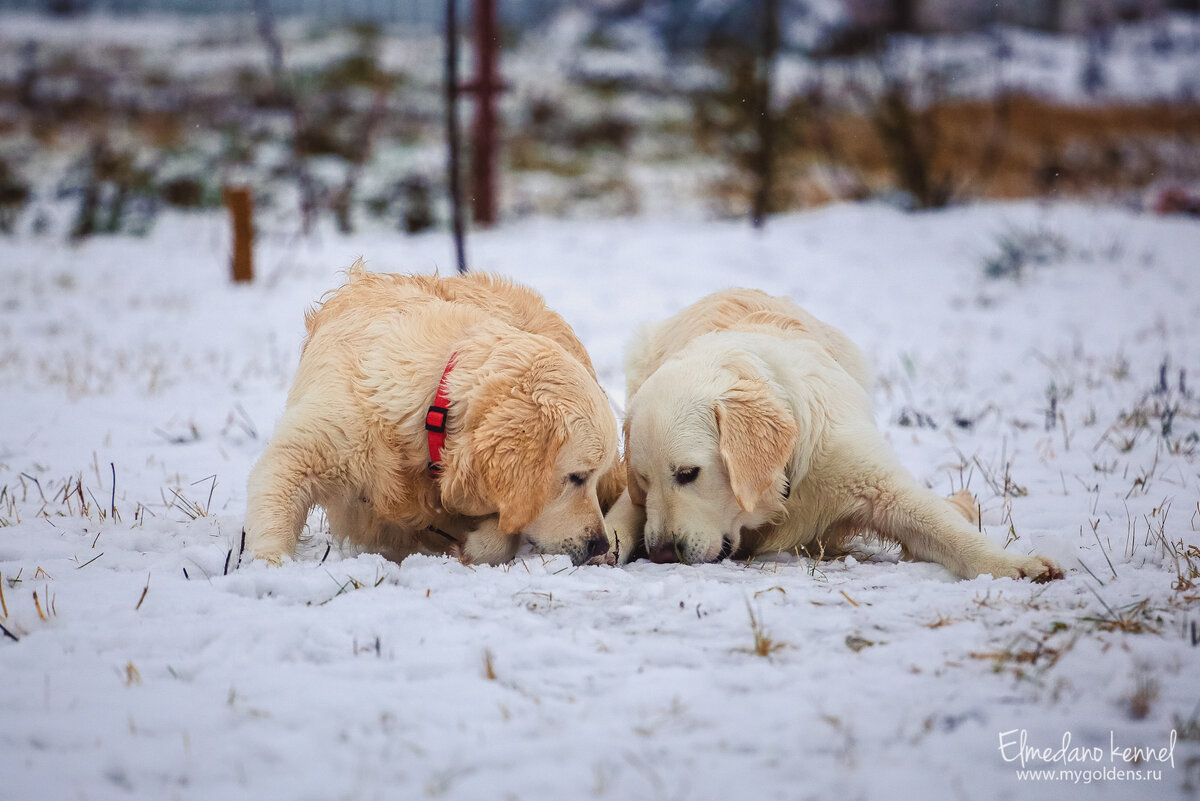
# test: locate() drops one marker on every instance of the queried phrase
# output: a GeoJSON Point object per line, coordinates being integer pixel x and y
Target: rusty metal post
{"type": "Point", "coordinates": [486, 86]}
{"type": "Point", "coordinates": [241, 211]}
{"type": "Point", "coordinates": [453, 172]}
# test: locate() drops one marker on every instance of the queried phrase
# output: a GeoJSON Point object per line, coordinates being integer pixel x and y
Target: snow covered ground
{"type": "Point", "coordinates": [141, 659]}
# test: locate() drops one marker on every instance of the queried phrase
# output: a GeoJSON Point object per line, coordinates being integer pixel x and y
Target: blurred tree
{"type": "Point", "coordinates": [764, 158]}
{"type": "Point", "coordinates": [328, 117]}
{"type": "Point", "coordinates": [739, 119]}
{"type": "Point", "coordinates": [14, 194]}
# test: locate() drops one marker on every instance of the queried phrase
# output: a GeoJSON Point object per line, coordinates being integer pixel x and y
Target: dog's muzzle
{"type": "Point", "coordinates": [664, 553]}
{"type": "Point", "coordinates": [593, 545]}
{"type": "Point", "coordinates": [597, 545]}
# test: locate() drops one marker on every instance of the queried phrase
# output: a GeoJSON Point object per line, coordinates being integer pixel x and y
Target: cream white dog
{"type": "Point", "coordinates": [439, 415]}
{"type": "Point", "coordinates": [749, 430]}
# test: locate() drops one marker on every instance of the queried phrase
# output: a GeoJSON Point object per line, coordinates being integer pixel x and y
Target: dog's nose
{"type": "Point", "coordinates": [664, 552]}
{"type": "Point", "coordinates": [597, 545]}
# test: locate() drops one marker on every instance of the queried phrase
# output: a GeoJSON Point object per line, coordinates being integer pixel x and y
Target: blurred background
{"type": "Point", "coordinates": [335, 112]}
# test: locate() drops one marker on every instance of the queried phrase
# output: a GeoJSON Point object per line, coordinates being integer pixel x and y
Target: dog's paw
{"type": "Point", "coordinates": [458, 551]}
{"type": "Point", "coordinates": [609, 559]}
{"type": "Point", "coordinates": [1043, 570]}
{"type": "Point", "coordinates": [272, 558]}
{"type": "Point", "coordinates": [487, 545]}
{"type": "Point", "coordinates": [1037, 569]}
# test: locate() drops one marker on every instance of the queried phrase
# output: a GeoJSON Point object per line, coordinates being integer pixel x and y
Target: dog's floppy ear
{"type": "Point", "coordinates": [610, 486]}
{"type": "Point", "coordinates": [515, 446]}
{"type": "Point", "coordinates": [509, 451]}
{"type": "Point", "coordinates": [756, 433]}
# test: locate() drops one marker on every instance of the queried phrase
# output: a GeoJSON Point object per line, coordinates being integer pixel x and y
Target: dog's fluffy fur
{"type": "Point", "coordinates": [531, 442]}
{"type": "Point", "coordinates": [749, 429]}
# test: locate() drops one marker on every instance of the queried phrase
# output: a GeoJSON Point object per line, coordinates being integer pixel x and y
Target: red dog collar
{"type": "Point", "coordinates": [435, 420]}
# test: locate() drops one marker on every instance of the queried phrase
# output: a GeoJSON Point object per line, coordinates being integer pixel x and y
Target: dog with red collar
{"type": "Point", "coordinates": [434, 414]}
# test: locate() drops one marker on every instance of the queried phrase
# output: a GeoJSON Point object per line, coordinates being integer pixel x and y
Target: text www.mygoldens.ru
{"type": "Point", "coordinates": [1084, 764]}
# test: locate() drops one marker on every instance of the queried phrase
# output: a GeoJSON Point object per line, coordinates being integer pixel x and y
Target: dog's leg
{"type": "Point", "coordinates": [935, 529]}
{"type": "Point", "coordinates": [487, 545]}
{"type": "Point", "coordinates": [967, 506]}
{"type": "Point", "coordinates": [624, 522]}
{"type": "Point", "coordinates": [281, 489]}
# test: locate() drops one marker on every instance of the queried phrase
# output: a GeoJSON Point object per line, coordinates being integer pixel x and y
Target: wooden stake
{"type": "Point", "coordinates": [241, 211]}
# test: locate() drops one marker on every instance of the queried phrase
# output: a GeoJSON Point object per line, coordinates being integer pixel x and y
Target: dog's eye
{"type": "Point", "coordinates": [578, 479]}
{"type": "Point", "coordinates": [686, 475]}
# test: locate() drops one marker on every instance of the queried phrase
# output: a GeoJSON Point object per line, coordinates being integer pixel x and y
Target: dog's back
{"type": "Point", "coordinates": [500, 298]}
{"type": "Point", "coordinates": [737, 310]}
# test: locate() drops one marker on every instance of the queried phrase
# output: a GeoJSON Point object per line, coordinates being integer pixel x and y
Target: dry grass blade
{"type": "Point", "coordinates": [1090, 573]}
{"type": "Point", "coordinates": [189, 508]}
{"type": "Point", "coordinates": [1025, 657]}
{"type": "Point", "coordinates": [1187, 566]}
{"type": "Point", "coordinates": [37, 484]}
{"type": "Point", "coordinates": [132, 675]}
{"type": "Point", "coordinates": [489, 670]}
{"type": "Point", "coordinates": [246, 423]}
{"type": "Point", "coordinates": [1129, 622]}
{"type": "Point", "coordinates": [145, 590]}
{"type": "Point", "coordinates": [193, 435]}
{"type": "Point", "coordinates": [763, 644]}
{"type": "Point", "coordinates": [211, 488]}
{"type": "Point", "coordinates": [3, 603]}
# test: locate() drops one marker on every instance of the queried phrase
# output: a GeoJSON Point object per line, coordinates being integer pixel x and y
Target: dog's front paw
{"type": "Point", "coordinates": [487, 545]}
{"type": "Point", "coordinates": [623, 524]}
{"type": "Point", "coordinates": [272, 556]}
{"type": "Point", "coordinates": [459, 552]}
{"type": "Point", "coordinates": [610, 558]}
{"type": "Point", "coordinates": [272, 559]}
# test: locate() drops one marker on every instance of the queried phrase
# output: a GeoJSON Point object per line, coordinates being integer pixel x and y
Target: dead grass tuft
{"type": "Point", "coordinates": [764, 645]}
{"type": "Point", "coordinates": [1131, 619]}
{"type": "Point", "coordinates": [1143, 696]}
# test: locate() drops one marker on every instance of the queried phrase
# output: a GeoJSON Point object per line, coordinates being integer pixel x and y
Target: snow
{"type": "Point", "coordinates": [168, 667]}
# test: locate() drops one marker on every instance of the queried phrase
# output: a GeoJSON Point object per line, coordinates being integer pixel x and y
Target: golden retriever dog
{"type": "Point", "coordinates": [439, 415]}
{"type": "Point", "coordinates": [749, 430]}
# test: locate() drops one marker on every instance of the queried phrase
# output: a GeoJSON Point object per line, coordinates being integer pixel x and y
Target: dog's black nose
{"type": "Point", "coordinates": [664, 552]}
{"type": "Point", "coordinates": [597, 545]}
